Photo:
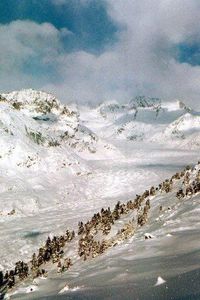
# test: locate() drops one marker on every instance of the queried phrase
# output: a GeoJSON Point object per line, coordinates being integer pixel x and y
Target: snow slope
{"type": "Point", "coordinates": [60, 165]}
{"type": "Point", "coordinates": [172, 236]}
{"type": "Point", "coordinates": [184, 131]}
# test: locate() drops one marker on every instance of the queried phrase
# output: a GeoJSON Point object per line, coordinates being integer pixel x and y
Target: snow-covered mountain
{"type": "Point", "coordinates": [41, 118]}
{"type": "Point", "coordinates": [60, 164]}
{"type": "Point", "coordinates": [184, 131]}
{"type": "Point", "coordinates": [149, 120]}
{"type": "Point", "coordinates": [39, 137]}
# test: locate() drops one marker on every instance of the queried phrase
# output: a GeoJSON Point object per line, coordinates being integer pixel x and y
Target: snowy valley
{"type": "Point", "coordinates": [60, 164]}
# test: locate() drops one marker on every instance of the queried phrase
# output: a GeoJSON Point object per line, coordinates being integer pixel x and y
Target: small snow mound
{"type": "Point", "coordinates": [65, 289]}
{"type": "Point", "coordinates": [160, 281]}
{"type": "Point", "coordinates": [76, 288]}
{"type": "Point", "coordinates": [68, 289]}
{"type": "Point", "coordinates": [148, 236]}
{"type": "Point", "coordinates": [31, 289]}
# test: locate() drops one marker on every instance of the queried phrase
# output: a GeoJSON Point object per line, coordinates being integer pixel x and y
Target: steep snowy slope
{"type": "Point", "coordinates": [170, 220]}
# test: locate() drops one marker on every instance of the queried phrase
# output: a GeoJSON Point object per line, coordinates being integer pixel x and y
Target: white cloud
{"type": "Point", "coordinates": [141, 62]}
{"type": "Point", "coordinates": [23, 39]}
{"type": "Point", "coordinates": [22, 42]}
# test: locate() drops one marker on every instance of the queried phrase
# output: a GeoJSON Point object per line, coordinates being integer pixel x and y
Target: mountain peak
{"type": "Point", "coordinates": [142, 101]}
{"type": "Point", "coordinates": [182, 105]}
{"type": "Point", "coordinates": [41, 101]}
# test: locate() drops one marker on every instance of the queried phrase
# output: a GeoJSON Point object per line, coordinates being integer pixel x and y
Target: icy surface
{"type": "Point", "coordinates": [60, 165]}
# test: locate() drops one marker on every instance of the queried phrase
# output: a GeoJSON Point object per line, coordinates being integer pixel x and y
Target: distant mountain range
{"type": "Point", "coordinates": [151, 120]}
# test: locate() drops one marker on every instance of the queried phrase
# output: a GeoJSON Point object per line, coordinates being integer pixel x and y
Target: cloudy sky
{"type": "Point", "coordinates": [92, 50]}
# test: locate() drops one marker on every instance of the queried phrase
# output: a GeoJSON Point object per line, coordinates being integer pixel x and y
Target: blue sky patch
{"type": "Point", "coordinates": [92, 28]}
{"type": "Point", "coordinates": [188, 53]}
